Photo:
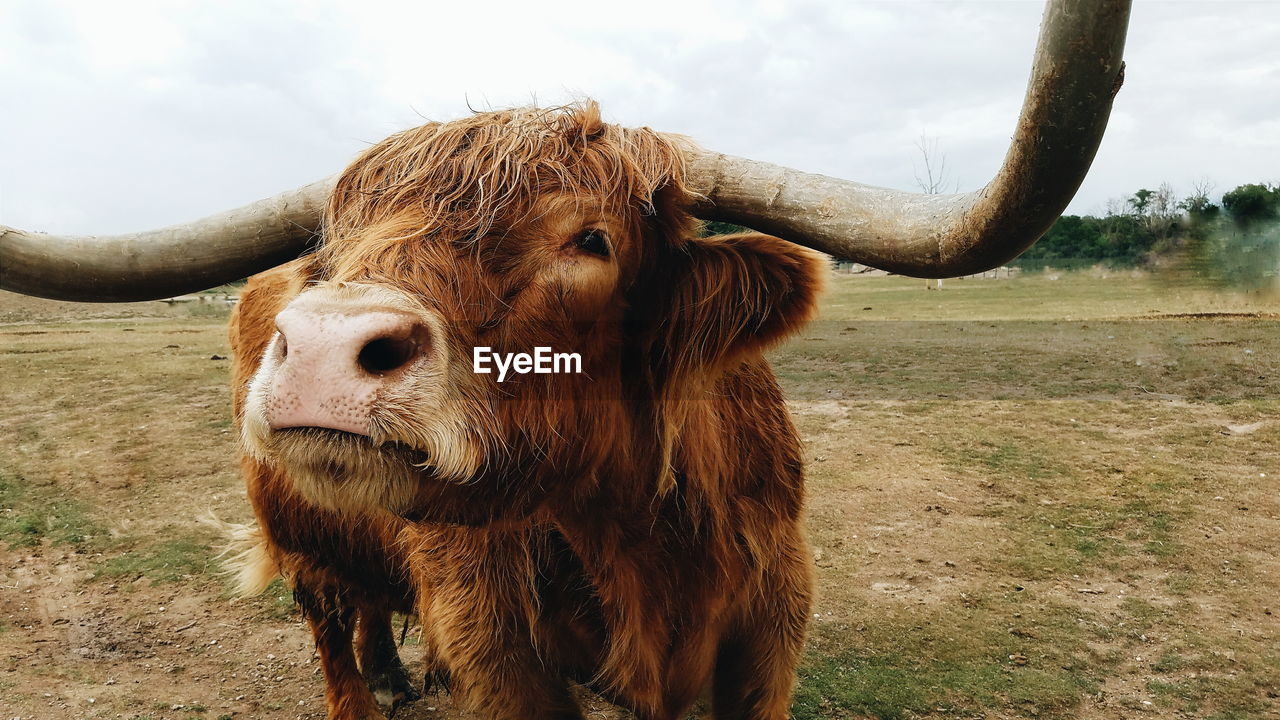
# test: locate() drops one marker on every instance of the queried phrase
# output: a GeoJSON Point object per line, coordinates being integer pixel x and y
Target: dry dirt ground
{"type": "Point", "coordinates": [1049, 496]}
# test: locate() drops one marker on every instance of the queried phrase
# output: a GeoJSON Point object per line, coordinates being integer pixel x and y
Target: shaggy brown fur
{"type": "Point", "coordinates": [637, 527]}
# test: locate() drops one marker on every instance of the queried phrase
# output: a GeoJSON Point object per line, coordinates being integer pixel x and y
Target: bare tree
{"type": "Point", "coordinates": [1164, 212]}
{"type": "Point", "coordinates": [934, 180]}
{"type": "Point", "coordinates": [1158, 210]}
{"type": "Point", "coordinates": [1198, 202]}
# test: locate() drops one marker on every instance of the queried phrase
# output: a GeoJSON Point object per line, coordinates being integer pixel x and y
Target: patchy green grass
{"type": "Point", "coordinates": [1054, 296]}
{"type": "Point", "coordinates": [950, 662]}
{"type": "Point", "coordinates": [1071, 525]}
{"type": "Point", "coordinates": [31, 515]}
{"type": "Point", "coordinates": [1070, 443]}
{"type": "Point", "coordinates": [165, 562]}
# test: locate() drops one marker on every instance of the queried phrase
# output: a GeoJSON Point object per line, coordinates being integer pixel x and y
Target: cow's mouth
{"type": "Point", "coordinates": [346, 471]}
{"type": "Point", "coordinates": [342, 441]}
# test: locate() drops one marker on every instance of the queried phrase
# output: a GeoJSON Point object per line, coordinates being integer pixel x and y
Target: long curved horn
{"type": "Point", "coordinates": [1077, 71]}
{"type": "Point", "coordinates": [165, 262]}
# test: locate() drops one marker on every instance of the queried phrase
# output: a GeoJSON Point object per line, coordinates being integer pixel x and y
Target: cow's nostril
{"type": "Point", "coordinates": [384, 354]}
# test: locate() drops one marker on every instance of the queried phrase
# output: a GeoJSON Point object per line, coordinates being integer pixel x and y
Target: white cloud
{"type": "Point", "coordinates": [127, 115]}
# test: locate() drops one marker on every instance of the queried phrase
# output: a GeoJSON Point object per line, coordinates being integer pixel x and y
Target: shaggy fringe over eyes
{"type": "Point", "coordinates": [463, 175]}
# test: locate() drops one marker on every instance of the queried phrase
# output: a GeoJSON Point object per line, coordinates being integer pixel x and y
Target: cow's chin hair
{"type": "Point", "coordinates": [349, 473]}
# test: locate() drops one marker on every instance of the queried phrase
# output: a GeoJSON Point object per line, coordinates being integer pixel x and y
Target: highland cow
{"type": "Point", "coordinates": [636, 525]}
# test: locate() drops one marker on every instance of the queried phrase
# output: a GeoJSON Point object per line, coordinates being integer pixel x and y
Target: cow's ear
{"type": "Point", "coordinates": [730, 296]}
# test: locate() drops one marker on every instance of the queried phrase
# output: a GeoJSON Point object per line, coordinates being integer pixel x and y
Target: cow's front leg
{"type": "Point", "coordinates": [332, 623]}
{"type": "Point", "coordinates": [380, 660]}
{"type": "Point", "coordinates": [756, 662]}
{"type": "Point", "coordinates": [478, 603]}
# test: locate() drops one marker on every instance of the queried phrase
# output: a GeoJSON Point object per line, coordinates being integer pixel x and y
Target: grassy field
{"type": "Point", "coordinates": [1045, 496]}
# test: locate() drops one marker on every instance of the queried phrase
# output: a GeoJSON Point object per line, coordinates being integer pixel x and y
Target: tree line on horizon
{"type": "Point", "coordinates": [1233, 241]}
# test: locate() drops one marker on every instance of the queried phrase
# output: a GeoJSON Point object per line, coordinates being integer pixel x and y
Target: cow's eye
{"type": "Point", "coordinates": [594, 242]}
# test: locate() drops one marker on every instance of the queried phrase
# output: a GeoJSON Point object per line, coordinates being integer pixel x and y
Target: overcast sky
{"type": "Point", "coordinates": [125, 116]}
